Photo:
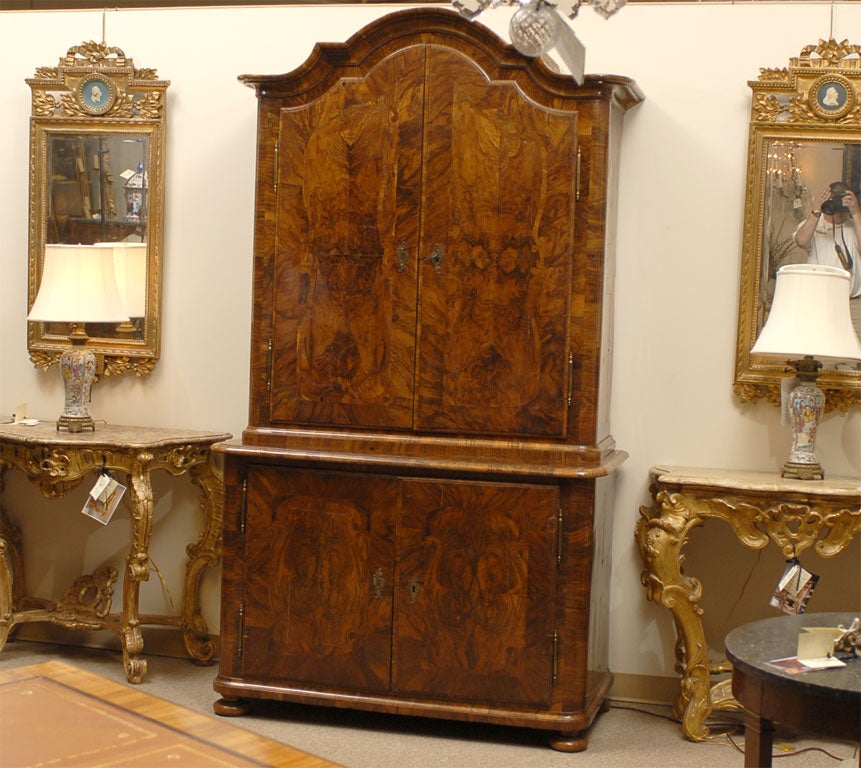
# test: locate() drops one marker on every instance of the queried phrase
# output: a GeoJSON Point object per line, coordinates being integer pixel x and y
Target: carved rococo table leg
{"type": "Point", "coordinates": [204, 553]}
{"type": "Point", "coordinates": [5, 595]}
{"type": "Point", "coordinates": [11, 567]}
{"type": "Point", "coordinates": [661, 534]}
{"type": "Point", "coordinates": [5, 586]}
{"type": "Point", "coordinates": [137, 566]}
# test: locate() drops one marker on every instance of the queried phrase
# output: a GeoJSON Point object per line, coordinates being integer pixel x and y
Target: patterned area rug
{"type": "Point", "coordinates": [53, 715]}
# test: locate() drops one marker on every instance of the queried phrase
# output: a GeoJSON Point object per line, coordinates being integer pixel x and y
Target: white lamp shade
{"type": "Point", "coordinates": [130, 273]}
{"type": "Point", "coordinates": [78, 286]}
{"type": "Point", "coordinates": [810, 315]}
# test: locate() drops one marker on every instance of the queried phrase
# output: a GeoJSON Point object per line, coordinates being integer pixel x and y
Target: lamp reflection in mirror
{"type": "Point", "coordinates": [809, 322]}
{"type": "Point", "coordinates": [130, 273]}
{"type": "Point", "coordinates": [78, 286]}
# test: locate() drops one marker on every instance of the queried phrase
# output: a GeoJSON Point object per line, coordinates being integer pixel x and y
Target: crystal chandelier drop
{"type": "Point", "coordinates": [536, 26]}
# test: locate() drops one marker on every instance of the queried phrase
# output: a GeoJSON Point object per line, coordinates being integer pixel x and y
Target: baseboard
{"type": "Point", "coordinates": [166, 641]}
{"type": "Point", "coordinates": [158, 641]}
{"type": "Point", "coordinates": [651, 689]}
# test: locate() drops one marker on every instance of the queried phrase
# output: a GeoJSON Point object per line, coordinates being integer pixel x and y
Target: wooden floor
{"type": "Point", "coordinates": [55, 714]}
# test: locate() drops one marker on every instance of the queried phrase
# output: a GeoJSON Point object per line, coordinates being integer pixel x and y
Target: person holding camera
{"type": "Point", "coordinates": [831, 236]}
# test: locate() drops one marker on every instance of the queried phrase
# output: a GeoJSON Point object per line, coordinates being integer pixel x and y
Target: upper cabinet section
{"type": "Point", "coordinates": [431, 219]}
{"type": "Point", "coordinates": [97, 175]}
{"type": "Point", "coordinates": [440, 194]}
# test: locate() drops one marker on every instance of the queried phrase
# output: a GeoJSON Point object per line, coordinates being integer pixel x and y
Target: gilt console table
{"type": "Point", "coordinates": [57, 462]}
{"type": "Point", "coordinates": [795, 515]}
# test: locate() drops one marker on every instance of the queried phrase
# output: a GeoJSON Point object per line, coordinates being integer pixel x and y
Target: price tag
{"type": "Point", "coordinates": [794, 589]}
{"type": "Point", "coordinates": [103, 499]}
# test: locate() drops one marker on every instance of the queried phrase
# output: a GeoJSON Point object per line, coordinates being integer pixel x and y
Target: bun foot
{"type": "Point", "coordinates": [569, 742]}
{"type": "Point", "coordinates": [230, 707]}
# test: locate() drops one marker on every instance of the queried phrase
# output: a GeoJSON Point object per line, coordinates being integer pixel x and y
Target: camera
{"type": "Point", "coordinates": [834, 204]}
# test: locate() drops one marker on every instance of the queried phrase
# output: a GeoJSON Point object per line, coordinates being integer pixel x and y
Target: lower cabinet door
{"type": "Point", "coordinates": [474, 604]}
{"type": "Point", "coordinates": [319, 553]}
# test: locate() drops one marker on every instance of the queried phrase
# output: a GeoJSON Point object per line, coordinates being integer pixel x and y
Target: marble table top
{"type": "Point", "coordinates": [46, 433]}
{"type": "Point", "coordinates": [750, 480]}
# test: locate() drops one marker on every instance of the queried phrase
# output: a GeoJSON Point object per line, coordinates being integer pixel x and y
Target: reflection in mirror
{"type": "Point", "coordinates": [96, 176]}
{"type": "Point", "coordinates": [90, 201]}
{"type": "Point", "coordinates": [97, 188]}
{"type": "Point", "coordinates": [811, 213]}
{"type": "Point", "coordinates": [803, 185]}
{"type": "Point", "coordinates": [130, 271]}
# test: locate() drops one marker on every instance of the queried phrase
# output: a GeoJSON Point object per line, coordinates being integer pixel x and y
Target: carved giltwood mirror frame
{"type": "Point", "coordinates": [97, 175]}
{"type": "Point", "coordinates": [805, 132]}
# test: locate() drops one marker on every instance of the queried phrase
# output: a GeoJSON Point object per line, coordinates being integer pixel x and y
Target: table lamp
{"type": "Point", "coordinates": [809, 322]}
{"type": "Point", "coordinates": [78, 286]}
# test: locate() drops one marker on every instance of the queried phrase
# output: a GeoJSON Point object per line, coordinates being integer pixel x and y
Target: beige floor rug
{"type": "Point", "coordinates": [54, 715]}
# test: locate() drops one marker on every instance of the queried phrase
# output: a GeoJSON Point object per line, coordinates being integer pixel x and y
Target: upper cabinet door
{"type": "Point", "coordinates": [498, 200]}
{"type": "Point", "coordinates": [347, 239]}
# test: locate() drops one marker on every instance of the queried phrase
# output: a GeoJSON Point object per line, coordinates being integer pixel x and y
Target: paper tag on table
{"type": "Point", "coordinates": [816, 646]}
{"type": "Point", "coordinates": [103, 499]}
{"type": "Point", "coordinates": [19, 416]}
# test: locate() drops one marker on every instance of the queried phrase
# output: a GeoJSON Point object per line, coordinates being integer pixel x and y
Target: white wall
{"type": "Point", "coordinates": [679, 237]}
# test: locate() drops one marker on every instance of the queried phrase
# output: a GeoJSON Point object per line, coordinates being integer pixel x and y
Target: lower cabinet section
{"type": "Point", "coordinates": [457, 598]}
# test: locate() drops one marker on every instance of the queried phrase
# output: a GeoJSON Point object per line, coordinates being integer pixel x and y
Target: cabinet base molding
{"type": "Point", "coordinates": [570, 727]}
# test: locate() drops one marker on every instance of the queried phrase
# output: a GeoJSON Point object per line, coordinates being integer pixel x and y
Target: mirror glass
{"type": "Point", "coordinates": [804, 137]}
{"type": "Point", "coordinates": [89, 197]}
{"type": "Point", "coordinates": [799, 174]}
{"type": "Point", "coordinates": [96, 176]}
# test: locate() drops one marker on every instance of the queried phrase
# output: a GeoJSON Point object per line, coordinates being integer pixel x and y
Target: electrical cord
{"type": "Point", "coordinates": [733, 728]}
{"type": "Point", "coordinates": [741, 592]}
{"type": "Point", "coordinates": [793, 753]}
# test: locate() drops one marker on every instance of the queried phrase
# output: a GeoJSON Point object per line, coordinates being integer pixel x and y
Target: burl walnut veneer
{"type": "Point", "coordinates": [418, 519]}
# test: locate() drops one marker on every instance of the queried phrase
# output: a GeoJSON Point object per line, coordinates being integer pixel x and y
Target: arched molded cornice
{"type": "Point", "coordinates": [330, 62]}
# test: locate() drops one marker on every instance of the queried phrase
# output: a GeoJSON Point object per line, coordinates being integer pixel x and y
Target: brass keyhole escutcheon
{"type": "Point", "coordinates": [378, 583]}
{"type": "Point", "coordinates": [436, 258]}
{"type": "Point", "coordinates": [402, 255]}
{"type": "Point", "coordinates": [414, 587]}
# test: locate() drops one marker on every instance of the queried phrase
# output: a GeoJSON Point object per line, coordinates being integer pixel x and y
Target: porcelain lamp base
{"type": "Point", "coordinates": [806, 404]}
{"type": "Point", "coordinates": [78, 369]}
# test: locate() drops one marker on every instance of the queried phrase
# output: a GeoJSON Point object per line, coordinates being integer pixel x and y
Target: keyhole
{"type": "Point", "coordinates": [414, 588]}
{"type": "Point", "coordinates": [436, 257]}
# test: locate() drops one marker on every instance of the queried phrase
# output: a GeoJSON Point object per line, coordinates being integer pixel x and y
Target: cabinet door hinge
{"type": "Point", "coordinates": [275, 169]}
{"type": "Point", "coordinates": [555, 663]}
{"type": "Point", "coordinates": [240, 635]}
{"type": "Point", "coordinates": [577, 182]}
{"type": "Point", "coordinates": [243, 499]}
{"type": "Point", "coordinates": [570, 398]}
{"type": "Point", "coordinates": [559, 526]}
{"type": "Point", "coordinates": [269, 367]}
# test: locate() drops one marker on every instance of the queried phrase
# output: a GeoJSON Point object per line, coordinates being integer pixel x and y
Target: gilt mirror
{"type": "Point", "coordinates": [97, 175]}
{"type": "Point", "coordinates": [805, 138]}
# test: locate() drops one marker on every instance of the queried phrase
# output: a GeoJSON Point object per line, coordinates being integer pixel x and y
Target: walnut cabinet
{"type": "Point", "coordinates": [417, 519]}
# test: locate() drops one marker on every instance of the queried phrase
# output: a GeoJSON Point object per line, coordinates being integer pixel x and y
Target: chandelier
{"type": "Point", "coordinates": [537, 26]}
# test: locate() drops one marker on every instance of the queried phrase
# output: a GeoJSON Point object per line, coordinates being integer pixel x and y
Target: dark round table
{"type": "Point", "coordinates": [823, 702]}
